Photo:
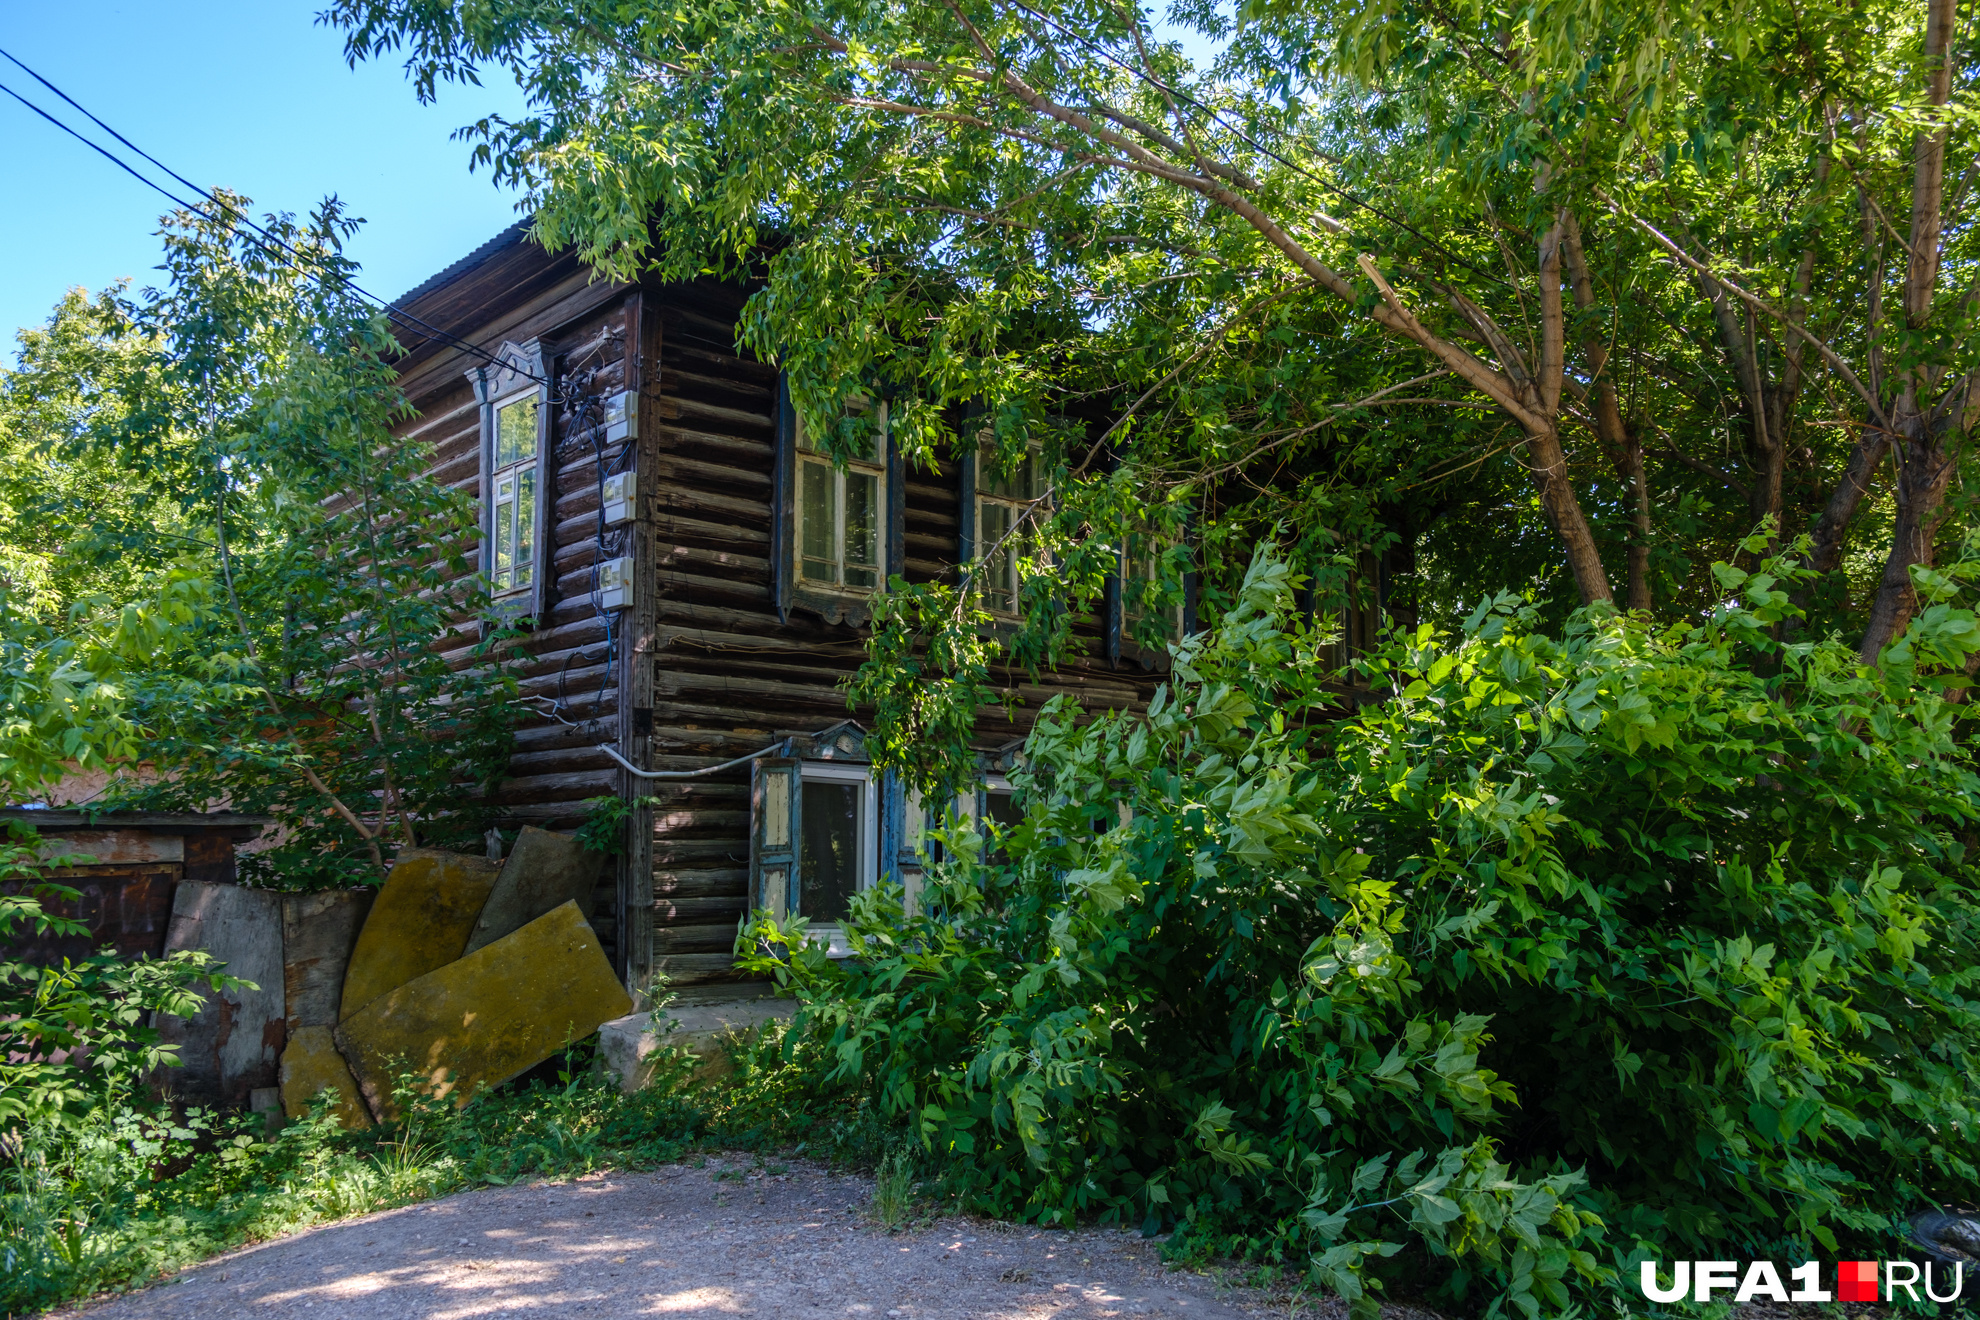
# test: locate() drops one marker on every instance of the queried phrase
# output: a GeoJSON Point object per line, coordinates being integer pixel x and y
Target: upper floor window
{"type": "Point", "coordinates": [513, 486]}
{"type": "Point", "coordinates": [836, 512]}
{"type": "Point", "coordinates": [1142, 591]}
{"type": "Point", "coordinates": [840, 510]}
{"type": "Point", "coordinates": [1004, 496]}
{"type": "Point", "coordinates": [513, 424]}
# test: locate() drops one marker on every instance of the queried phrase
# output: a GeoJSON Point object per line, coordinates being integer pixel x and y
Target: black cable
{"type": "Point", "coordinates": [235, 219]}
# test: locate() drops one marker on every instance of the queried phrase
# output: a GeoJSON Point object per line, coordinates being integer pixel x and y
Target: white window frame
{"type": "Point", "coordinates": [1015, 506]}
{"type": "Point", "coordinates": [876, 468]}
{"type": "Point", "coordinates": [866, 869]}
{"type": "Point", "coordinates": [524, 551]}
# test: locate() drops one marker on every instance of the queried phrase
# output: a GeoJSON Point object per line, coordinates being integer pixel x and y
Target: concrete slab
{"type": "Point", "coordinates": [311, 1065]}
{"type": "Point", "coordinates": [233, 1045]}
{"type": "Point", "coordinates": [481, 1020]}
{"type": "Point", "coordinates": [543, 871]}
{"type": "Point", "coordinates": [420, 921]}
{"type": "Point", "coordinates": [627, 1046]}
{"type": "Point", "coordinates": [318, 934]}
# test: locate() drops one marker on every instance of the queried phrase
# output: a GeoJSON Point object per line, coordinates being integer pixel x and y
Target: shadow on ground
{"type": "Point", "coordinates": [713, 1241]}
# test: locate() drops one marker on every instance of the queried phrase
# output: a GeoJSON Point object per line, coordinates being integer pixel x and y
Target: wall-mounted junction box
{"type": "Point", "coordinates": [620, 494]}
{"type": "Point", "coordinates": [615, 579]}
{"type": "Point", "coordinates": [621, 417]}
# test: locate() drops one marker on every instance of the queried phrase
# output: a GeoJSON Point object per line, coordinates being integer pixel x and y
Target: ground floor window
{"type": "Point", "coordinates": [814, 837]}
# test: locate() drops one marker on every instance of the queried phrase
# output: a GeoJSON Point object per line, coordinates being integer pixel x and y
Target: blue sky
{"type": "Point", "coordinates": [251, 96]}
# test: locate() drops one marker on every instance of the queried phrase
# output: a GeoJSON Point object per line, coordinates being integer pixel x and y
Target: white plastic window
{"type": "Point", "coordinates": [512, 496]}
{"type": "Point", "coordinates": [840, 511]}
{"type": "Point", "coordinates": [838, 843]}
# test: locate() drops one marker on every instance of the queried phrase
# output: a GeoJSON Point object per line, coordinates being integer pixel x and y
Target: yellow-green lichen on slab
{"type": "Point", "coordinates": [311, 1065]}
{"type": "Point", "coordinates": [495, 1013]}
{"type": "Point", "coordinates": [420, 921]}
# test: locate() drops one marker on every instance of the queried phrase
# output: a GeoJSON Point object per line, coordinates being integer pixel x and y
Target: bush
{"type": "Point", "coordinates": [1570, 950]}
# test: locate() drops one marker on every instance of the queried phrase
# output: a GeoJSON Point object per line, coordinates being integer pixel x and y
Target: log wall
{"type": "Point", "coordinates": [709, 670]}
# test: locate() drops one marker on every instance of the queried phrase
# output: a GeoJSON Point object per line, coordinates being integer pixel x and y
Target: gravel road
{"type": "Point", "coordinates": [683, 1242]}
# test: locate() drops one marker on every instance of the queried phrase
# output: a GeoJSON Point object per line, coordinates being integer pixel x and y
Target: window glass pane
{"type": "Point", "coordinates": [862, 529]}
{"type": "Point", "coordinates": [1024, 482]}
{"type": "Point", "coordinates": [1000, 805]}
{"type": "Point", "coordinates": [993, 524]}
{"type": "Point", "coordinates": [505, 531]}
{"type": "Point", "coordinates": [1141, 583]}
{"type": "Point", "coordinates": [829, 866]}
{"type": "Point", "coordinates": [1021, 482]}
{"type": "Point", "coordinates": [776, 809]}
{"type": "Point", "coordinates": [990, 477]}
{"type": "Point", "coordinates": [515, 432]}
{"type": "Point", "coordinates": [866, 443]}
{"type": "Point", "coordinates": [868, 425]}
{"type": "Point", "coordinates": [525, 526]}
{"type": "Point", "coordinates": [816, 515]}
{"type": "Point", "coordinates": [860, 448]}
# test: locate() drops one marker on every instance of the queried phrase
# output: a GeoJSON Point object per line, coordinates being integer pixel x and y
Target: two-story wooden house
{"type": "Point", "coordinates": [697, 582]}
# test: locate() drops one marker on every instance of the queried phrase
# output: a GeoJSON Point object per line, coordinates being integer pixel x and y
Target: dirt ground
{"type": "Point", "coordinates": [724, 1239]}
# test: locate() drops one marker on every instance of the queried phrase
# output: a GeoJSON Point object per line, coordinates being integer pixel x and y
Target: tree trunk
{"type": "Point", "coordinates": [1923, 440]}
{"type": "Point", "coordinates": [1546, 457]}
{"type": "Point", "coordinates": [1925, 467]}
{"type": "Point", "coordinates": [1624, 449]}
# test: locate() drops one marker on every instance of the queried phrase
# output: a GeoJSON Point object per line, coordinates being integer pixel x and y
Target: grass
{"type": "Point", "coordinates": [893, 1189]}
{"type": "Point", "coordinates": [121, 1195]}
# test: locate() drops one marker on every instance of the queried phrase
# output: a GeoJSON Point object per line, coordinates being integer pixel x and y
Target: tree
{"type": "Point", "coordinates": [1017, 203]}
{"type": "Point", "coordinates": [243, 415]}
{"type": "Point", "coordinates": [72, 528]}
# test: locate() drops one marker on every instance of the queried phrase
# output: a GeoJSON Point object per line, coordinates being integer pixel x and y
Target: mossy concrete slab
{"type": "Point", "coordinates": [311, 1065]}
{"type": "Point", "coordinates": [495, 1013]}
{"type": "Point", "coordinates": [420, 921]}
{"type": "Point", "coordinates": [543, 871]}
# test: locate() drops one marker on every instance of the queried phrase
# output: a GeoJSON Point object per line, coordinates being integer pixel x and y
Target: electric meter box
{"type": "Point", "coordinates": [621, 496]}
{"type": "Point", "coordinates": [615, 583]}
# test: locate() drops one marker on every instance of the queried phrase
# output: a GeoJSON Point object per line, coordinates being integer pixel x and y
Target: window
{"type": "Point", "coordinates": [816, 838]}
{"type": "Point", "coordinates": [512, 518]}
{"type": "Point", "coordinates": [1142, 590]}
{"type": "Point", "coordinates": [1003, 497]}
{"type": "Point", "coordinates": [839, 512]}
{"type": "Point", "coordinates": [513, 417]}
{"type": "Point", "coordinates": [1001, 813]}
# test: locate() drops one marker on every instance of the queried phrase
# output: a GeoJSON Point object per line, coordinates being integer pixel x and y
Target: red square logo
{"type": "Point", "coordinates": [1856, 1281]}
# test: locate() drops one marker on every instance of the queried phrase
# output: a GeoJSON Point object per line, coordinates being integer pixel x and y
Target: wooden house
{"type": "Point", "coordinates": [696, 583]}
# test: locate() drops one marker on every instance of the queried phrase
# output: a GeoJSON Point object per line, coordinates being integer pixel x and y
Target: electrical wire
{"type": "Point", "coordinates": [261, 238]}
{"type": "Point", "coordinates": [577, 399]}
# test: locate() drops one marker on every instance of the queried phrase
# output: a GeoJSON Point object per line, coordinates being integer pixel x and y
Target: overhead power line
{"type": "Point", "coordinates": [234, 218]}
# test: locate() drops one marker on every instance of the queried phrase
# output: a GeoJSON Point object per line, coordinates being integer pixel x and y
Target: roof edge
{"type": "Point", "coordinates": [502, 242]}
